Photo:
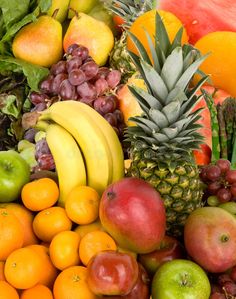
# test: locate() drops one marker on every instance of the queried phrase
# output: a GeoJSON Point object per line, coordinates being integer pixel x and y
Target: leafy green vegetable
{"type": "Point", "coordinates": [33, 73]}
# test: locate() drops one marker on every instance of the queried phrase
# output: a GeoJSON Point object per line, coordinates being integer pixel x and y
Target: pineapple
{"type": "Point", "coordinates": [162, 142]}
{"type": "Point", "coordinates": [129, 10]}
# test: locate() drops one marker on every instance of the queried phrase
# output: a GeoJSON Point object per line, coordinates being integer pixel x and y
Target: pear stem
{"type": "Point", "coordinates": [54, 15]}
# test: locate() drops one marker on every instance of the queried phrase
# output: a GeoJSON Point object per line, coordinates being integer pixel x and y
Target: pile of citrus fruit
{"type": "Point", "coordinates": [45, 248]}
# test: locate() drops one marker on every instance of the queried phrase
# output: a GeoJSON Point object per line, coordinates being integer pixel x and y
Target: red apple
{"type": "Point", "coordinates": [141, 289]}
{"type": "Point", "coordinates": [112, 273]}
{"type": "Point", "coordinates": [210, 238]}
{"type": "Point", "coordinates": [133, 213]}
{"type": "Point", "coordinates": [170, 249]}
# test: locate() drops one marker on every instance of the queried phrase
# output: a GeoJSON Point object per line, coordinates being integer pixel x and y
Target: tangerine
{"type": "Point", "coordinates": [23, 268]}
{"type": "Point", "coordinates": [72, 283]}
{"type": "Point", "coordinates": [11, 234]}
{"type": "Point", "coordinates": [49, 222]}
{"type": "Point", "coordinates": [82, 230]}
{"type": "Point", "coordinates": [25, 218]}
{"type": "Point", "coordinates": [37, 292]}
{"type": "Point", "coordinates": [94, 242]}
{"type": "Point", "coordinates": [40, 194]}
{"type": "Point", "coordinates": [7, 291]}
{"type": "Point", "coordinates": [82, 205]}
{"type": "Point", "coordinates": [64, 250]}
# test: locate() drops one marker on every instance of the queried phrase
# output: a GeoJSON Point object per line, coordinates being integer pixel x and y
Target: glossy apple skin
{"type": "Point", "coordinates": [133, 213]}
{"type": "Point", "coordinates": [210, 238]}
{"type": "Point", "coordinates": [14, 173]}
{"type": "Point", "coordinates": [141, 289]}
{"type": "Point", "coordinates": [180, 279]}
{"type": "Point", "coordinates": [112, 273]}
{"type": "Point", "coordinates": [170, 249]}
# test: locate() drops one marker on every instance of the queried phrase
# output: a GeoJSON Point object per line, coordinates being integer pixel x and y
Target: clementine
{"type": "Point", "coordinates": [11, 234]}
{"type": "Point", "coordinates": [49, 222]}
{"type": "Point", "coordinates": [82, 205]}
{"type": "Point", "coordinates": [25, 218]}
{"type": "Point", "coordinates": [23, 268]}
{"type": "Point", "coordinates": [93, 243]}
{"type": "Point", "coordinates": [40, 194]}
{"type": "Point", "coordinates": [64, 250]}
{"type": "Point", "coordinates": [72, 283]}
{"type": "Point", "coordinates": [37, 292]}
{"type": "Point", "coordinates": [7, 291]}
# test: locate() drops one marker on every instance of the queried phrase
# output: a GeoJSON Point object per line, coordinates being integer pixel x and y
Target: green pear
{"type": "Point", "coordinates": [39, 42]}
{"type": "Point", "coordinates": [62, 6]}
{"type": "Point", "coordinates": [80, 6]}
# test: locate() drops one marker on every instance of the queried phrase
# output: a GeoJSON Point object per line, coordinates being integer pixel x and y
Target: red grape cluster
{"type": "Point", "coordinates": [223, 285]}
{"type": "Point", "coordinates": [220, 181]}
{"type": "Point", "coordinates": [78, 77]}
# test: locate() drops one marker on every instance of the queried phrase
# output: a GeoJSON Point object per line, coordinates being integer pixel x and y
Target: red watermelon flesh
{"type": "Point", "coordinates": [201, 17]}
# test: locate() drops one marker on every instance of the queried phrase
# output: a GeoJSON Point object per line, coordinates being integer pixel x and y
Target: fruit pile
{"type": "Point", "coordinates": [117, 150]}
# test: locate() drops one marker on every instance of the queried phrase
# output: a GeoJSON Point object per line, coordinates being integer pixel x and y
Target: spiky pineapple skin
{"type": "Point", "coordinates": [177, 181]}
{"type": "Point", "coordinates": [120, 59]}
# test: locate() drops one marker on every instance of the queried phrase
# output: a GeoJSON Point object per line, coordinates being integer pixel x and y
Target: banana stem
{"type": "Point", "coordinates": [41, 125]}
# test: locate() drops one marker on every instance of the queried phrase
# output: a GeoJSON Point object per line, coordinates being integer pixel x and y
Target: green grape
{"type": "Point", "coordinates": [213, 201]}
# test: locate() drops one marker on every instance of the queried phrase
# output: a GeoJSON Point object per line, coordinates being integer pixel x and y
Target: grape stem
{"type": "Point", "coordinates": [215, 155]}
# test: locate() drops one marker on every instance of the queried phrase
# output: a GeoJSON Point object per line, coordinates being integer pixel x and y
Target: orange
{"type": "Point", "coordinates": [82, 230]}
{"type": "Point", "coordinates": [40, 194]}
{"type": "Point", "coordinates": [82, 205]}
{"type": "Point", "coordinates": [25, 217]}
{"type": "Point", "coordinates": [11, 234]}
{"type": "Point", "coordinates": [72, 283]}
{"type": "Point", "coordinates": [23, 268]}
{"type": "Point", "coordinates": [64, 250]}
{"type": "Point", "coordinates": [221, 63]}
{"type": "Point", "coordinates": [37, 292]}
{"type": "Point", "coordinates": [2, 276]}
{"type": "Point", "coordinates": [146, 23]}
{"type": "Point", "coordinates": [94, 242]}
{"type": "Point", "coordinates": [7, 291]}
{"type": "Point", "coordinates": [50, 272]}
{"type": "Point", "coordinates": [49, 222]}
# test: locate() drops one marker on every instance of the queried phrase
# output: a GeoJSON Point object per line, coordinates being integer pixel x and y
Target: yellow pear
{"type": "Point", "coordinates": [62, 6]}
{"type": "Point", "coordinates": [91, 33]}
{"type": "Point", "coordinates": [39, 42]}
{"type": "Point", "coordinates": [80, 6]}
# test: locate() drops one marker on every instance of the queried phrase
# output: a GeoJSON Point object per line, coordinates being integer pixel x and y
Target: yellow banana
{"type": "Point", "coordinates": [111, 137]}
{"type": "Point", "coordinates": [68, 160]}
{"type": "Point", "coordinates": [90, 138]}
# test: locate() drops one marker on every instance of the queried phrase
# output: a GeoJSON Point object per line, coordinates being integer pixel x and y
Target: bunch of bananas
{"type": "Point", "coordinates": [85, 147]}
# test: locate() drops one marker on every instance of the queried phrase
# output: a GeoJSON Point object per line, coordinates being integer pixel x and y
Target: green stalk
{"type": "Point", "coordinates": [229, 111]}
{"type": "Point", "coordinates": [233, 158]}
{"type": "Point", "coordinates": [215, 154]}
{"type": "Point", "coordinates": [222, 133]}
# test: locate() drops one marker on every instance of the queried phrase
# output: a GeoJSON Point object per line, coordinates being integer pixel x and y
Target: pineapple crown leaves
{"type": "Point", "coordinates": [129, 10]}
{"type": "Point", "coordinates": [168, 120]}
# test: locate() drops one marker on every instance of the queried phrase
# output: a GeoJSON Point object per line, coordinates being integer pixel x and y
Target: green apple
{"type": "Point", "coordinates": [14, 173]}
{"type": "Point", "coordinates": [180, 279]}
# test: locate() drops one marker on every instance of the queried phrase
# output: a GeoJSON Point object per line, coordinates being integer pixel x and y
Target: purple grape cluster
{"type": "Point", "coordinates": [223, 285]}
{"type": "Point", "coordinates": [78, 77]}
{"type": "Point", "coordinates": [43, 156]}
{"type": "Point", "coordinates": [220, 181]}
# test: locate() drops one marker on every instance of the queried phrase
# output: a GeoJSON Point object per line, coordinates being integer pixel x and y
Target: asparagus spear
{"type": "Point", "coordinates": [229, 111]}
{"type": "Point", "coordinates": [222, 132]}
{"type": "Point", "coordinates": [215, 155]}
